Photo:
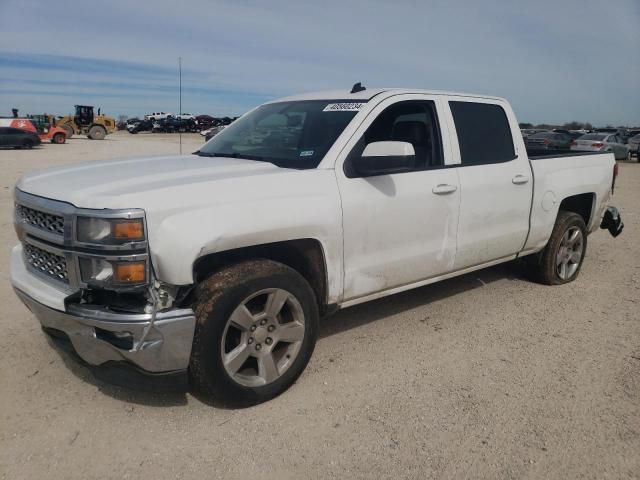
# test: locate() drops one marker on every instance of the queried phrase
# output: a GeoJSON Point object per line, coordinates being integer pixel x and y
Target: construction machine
{"type": "Point", "coordinates": [47, 128]}
{"type": "Point", "coordinates": [84, 122]}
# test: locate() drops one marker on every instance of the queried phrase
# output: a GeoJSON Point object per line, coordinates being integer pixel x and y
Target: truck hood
{"type": "Point", "coordinates": [198, 205]}
{"type": "Point", "coordinates": [144, 182]}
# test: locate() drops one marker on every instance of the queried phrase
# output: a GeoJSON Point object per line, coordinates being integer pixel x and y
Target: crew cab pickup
{"type": "Point", "coordinates": [217, 266]}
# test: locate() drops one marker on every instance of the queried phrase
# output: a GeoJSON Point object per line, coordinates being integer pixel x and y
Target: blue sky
{"type": "Point", "coordinates": [556, 61]}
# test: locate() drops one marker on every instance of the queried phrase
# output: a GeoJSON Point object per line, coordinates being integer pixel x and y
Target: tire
{"type": "Point", "coordinates": [97, 132]}
{"type": "Point", "coordinates": [59, 138]}
{"type": "Point", "coordinates": [27, 144]}
{"type": "Point", "coordinates": [562, 249]}
{"type": "Point", "coordinates": [251, 378]}
{"type": "Point", "coordinates": [68, 130]}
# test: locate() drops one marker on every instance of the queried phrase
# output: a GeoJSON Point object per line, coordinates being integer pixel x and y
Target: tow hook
{"type": "Point", "coordinates": [612, 221]}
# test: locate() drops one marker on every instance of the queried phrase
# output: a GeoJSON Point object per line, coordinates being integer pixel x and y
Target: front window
{"type": "Point", "coordinates": [288, 134]}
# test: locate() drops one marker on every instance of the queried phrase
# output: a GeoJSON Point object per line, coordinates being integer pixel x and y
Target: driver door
{"type": "Point", "coordinates": [400, 228]}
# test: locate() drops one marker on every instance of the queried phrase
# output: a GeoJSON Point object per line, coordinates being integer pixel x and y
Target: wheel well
{"type": "Point", "coordinates": [581, 204]}
{"type": "Point", "coordinates": [304, 255]}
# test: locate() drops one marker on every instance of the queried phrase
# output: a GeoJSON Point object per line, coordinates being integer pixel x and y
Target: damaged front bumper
{"type": "Point", "coordinates": [159, 344]}
{"type": "Point", "coordinates": [612, 221]}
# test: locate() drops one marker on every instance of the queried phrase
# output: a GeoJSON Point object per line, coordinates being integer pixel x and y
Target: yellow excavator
{"type": "Point", "coordinates": [84, 122]}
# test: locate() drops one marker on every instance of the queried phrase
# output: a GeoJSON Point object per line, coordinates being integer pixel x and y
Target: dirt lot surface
{"type": "Point", "coordinates": [484, 376]}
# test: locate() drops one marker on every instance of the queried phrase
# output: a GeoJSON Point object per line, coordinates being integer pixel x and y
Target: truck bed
{"type": "Point", "coordinates": [564, 175]}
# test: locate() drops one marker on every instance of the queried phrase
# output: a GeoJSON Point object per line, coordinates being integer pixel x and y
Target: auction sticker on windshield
{"type": "Point", "coordinates": [343, 107]}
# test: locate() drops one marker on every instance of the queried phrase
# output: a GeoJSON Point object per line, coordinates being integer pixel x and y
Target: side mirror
{"type": "Point", "coordinates": [384, 158]}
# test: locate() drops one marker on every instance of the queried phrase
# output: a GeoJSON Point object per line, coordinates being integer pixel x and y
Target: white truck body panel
{"type": "Point", "coordinates": [556, 180]}
{"type": "Point", "coordinates": [379, 235]}
{"type": "Point", "coordinates": [196, 205]}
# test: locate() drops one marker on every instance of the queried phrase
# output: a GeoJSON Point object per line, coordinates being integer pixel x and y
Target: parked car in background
{"type": "Point", "coordinates": [527, 132]}
{"type": "Point", "coordinates": [16, 137]}
{"type": "Point", "coordinates": [209, 133]}
{"type": "Point", "coordinates": [166, 125]}
{"type": "Point", "coordinates": [140, 126]}
{"type": "Point", "coordinates": [622, 133]}
{"type": "Point", "coordinates": [157, 115]}
{"type": "Point", "coordinates": [206, 121]}
{"type": "Point", "coordinates": [634, 147]}
{"type": "Point", "coordinates": [602, 142]}
{"type": "Point", "coordinates": [572, 134]}
{"type": "Point", "coordinates": [185, 116]}
{"type": "Point", "coordinates": [548, 141]}
{"type": "Point", "coordinates": [187, 125]}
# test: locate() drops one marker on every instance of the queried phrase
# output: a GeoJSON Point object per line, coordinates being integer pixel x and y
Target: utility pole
{"type": "Point", "coordinates": [180, 102]}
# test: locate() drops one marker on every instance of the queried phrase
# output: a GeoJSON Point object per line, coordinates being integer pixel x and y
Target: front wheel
{"type": "Point", "coordinates": [562, 258]}
{"type": "Point", "coordinates": [97, 133]}
{"type": "Point", "coordinates": [257, 324]}
{"type": "Point", "coordinates": [59, 138]}
{"type": "Point", "coordinates": [28, 144]}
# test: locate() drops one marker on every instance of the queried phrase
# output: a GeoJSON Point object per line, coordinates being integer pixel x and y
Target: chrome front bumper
{"type": "Point", "coordinates": [162, 347]}
{"type": "Point", "coordinates": [97, 334]}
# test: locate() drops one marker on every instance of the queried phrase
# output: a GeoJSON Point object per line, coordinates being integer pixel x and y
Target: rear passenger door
{"type": "Point", "coordinates": [496, 184]}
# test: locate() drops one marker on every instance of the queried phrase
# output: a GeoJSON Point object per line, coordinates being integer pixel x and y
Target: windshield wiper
{"type": "Point", "coordinates": [232, 155]}
{"type": "Point", "coordinates": [205, 154]}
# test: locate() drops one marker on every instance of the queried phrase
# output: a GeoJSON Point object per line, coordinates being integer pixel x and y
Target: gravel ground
{"type": "Point", "coordinates": [483, 376]}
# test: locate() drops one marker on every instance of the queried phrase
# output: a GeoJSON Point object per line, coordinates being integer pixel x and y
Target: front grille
{"type": "Point", "coordinates": [42, 220]}
{"type": "Point", "coordinates": [50, 264]}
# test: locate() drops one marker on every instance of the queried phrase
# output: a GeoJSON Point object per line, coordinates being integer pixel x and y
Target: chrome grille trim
{"type": "Point", "coordinates": [45, 262]}
{"type": "Point", "coordinates": [42, 220]}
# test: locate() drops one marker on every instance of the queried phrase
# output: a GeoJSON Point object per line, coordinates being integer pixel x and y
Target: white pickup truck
{"type": "Point", "coordinates": [217, 266]}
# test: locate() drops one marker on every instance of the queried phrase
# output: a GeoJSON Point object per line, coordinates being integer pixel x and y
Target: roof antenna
{"type": "Point", "coordinates": [357, 87]}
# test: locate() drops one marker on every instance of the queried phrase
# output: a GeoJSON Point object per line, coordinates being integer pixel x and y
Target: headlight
{"type": "Point", "coordinates": [109, 231]}
{"type": "Point", "coordinates": [113, 273]}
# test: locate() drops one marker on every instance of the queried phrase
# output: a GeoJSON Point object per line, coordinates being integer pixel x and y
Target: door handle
{"type": "Point", "coordinates": [519, 180]}
{"type": "Point", "coordinates": [443, 189]}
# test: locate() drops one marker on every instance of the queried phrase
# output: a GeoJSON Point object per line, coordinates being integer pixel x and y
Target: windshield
{"type": "Point", "coordinates": [288, 134]}
{"type": "Point", "coordinates": [593, 136]}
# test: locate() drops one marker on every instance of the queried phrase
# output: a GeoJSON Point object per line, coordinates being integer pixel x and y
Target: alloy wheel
{"type": "Point", "coordinates": [262, 337]}
{"type": "Point", "coordinates": [570, 253]}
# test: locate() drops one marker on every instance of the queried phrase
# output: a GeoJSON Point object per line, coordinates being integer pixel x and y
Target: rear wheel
{"type": "Point", "coordinates": [562, 258]}
{"type": "Point", "coordinates": [59, 138]}
{"type": "Point", "coordinates": [256, 329]}
{"type": "Point", "coordinates": [97, 132]}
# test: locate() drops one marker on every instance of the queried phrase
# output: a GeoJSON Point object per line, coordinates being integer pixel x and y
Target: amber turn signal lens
{"type": "Point", "coordinates": [129, 272]}
{"type": "Point", "coordinates": [132, 230]}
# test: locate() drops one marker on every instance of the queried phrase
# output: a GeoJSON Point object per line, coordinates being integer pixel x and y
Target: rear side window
{"type": "Point", "coordinates": [483, 133]}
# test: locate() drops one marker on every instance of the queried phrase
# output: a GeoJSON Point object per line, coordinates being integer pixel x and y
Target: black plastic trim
{"type": "Point", "coordinates": [560, 153]}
